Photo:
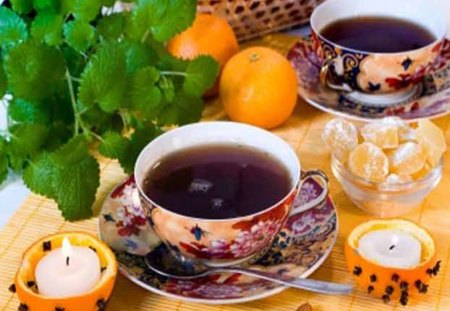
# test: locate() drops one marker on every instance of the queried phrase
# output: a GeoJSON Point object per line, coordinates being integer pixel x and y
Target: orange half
{"type": "Point", "coordinates": [94, 300]}
{"type": "Point", "coordinates": [390, 283]}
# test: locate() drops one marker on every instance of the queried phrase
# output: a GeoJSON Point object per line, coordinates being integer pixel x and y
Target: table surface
{"type": "Point", "coordinates": [39, 216]}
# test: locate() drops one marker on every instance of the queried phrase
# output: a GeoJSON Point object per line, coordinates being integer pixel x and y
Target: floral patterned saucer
{"type": "Point", "coordinates": [303, 244]}
{"type": "Point", "coordinates": [433, 102]}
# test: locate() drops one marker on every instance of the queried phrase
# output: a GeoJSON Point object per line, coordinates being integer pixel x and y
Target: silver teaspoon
{"type": "Point", "coordinates": [162, 261]}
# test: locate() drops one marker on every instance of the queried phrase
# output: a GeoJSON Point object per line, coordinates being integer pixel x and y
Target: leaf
{"type": "Point", "coordinates": [102, 81]}
{"type": "Point", "coordinates": [140, 138]}
{"type": "Point", "coordinates": [201, 75]}
{"type": "Point", "coordinates": [34, 70]}
{"type": "Point", "coordinates": [114, 145]}
{"type": "Point", "coordinates": [53, 6]}
{"type": "Point", "coordinates": [183, 110]}
{"type": "Point", "coordinates": [60, 134]}
{"type": "Point", "coordinates": [69, 175]}
{"type": "Point", "coordinates": [12, 28]}
{"type": "Point", "coordinates": [26, 139]}
{"type": "Point", "coordinates": [75, 61]}
{"type": "Point", "coordinates": [144, 95]}
{"type": "Point", "coordinates": [47, 27]}
{"type": "Point", "coordinates": [101, 121]}
{"type": "Point", "coordinates": [22, 6]}
{"type": "Point", "coordinates": [38, 176]}
{"type": "Point", "coordinates": [72, 152]}
{"type": "Point", "coordinates": [179, 15]}
{"type": "Point", "coordinates": [112, 26]}
{"type": "Point", "coordinates": [79, 35]}
{"type": "Point", "coordinates": [139, 55]}
{"type": "Point", "coordinates": [75, 185]}
{"type": "Point", "coordinates": [86, 10]}
{"type": "Point", "coordinates": [163, 19]}
{"type": "Point", "coordinates": [24, 111]}
{"type": "Point", "coordinates": [169, 62]}
{"type": "Point", "coordinates": [3, 81]}
{"type": "Point", "coordinates": [109, 3]}
{"type": "Point", "coordinates": [167, 88]}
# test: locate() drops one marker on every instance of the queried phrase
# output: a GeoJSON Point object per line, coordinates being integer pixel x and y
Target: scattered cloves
{"type": "Point", "coordinates": [12, 288]}
{"type": "Point", "coordinates": [373, 278]}
{"type": "Point", "coordinates": [395, 277]}
{"type": "Point", "coordinates": [436, 268]}
{"type": "Point", "coordinates": [370, 289]}
{"type": "Point", "coordinates": [47, 246]}
{"type": "Point", "coordinates": [101, 304]}
{"type": "Point", "coordinates": [421, 287]}
{"type": "Point", "coordinates": [404, 298]}
{"type": "Point", "coordinates": [23, 307]}
{"type": "Point", "coordinates": [404, 286]}
{"type": "Point", "coordinates": [357, 271]}
{"type": "Point", "coordinates": [389, 290]}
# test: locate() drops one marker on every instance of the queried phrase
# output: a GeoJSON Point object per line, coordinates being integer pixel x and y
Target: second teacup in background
{"type": "Point", "coordinates": [379, 70]}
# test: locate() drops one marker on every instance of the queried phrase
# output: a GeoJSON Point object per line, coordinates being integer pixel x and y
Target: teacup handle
{"type": "Point", "coordinates": [324, 74]}
{"type": "Point", "coordinates": [317, 201]}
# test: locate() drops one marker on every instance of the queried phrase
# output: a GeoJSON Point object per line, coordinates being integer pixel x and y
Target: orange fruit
{"type": "Point", "coordinates": [90, 301]}
{"type": "Point", "coordinates": [208, 35]}
{"type": "Point", "coordinates": [259, 87]}
{"type": "Point", "coordinates": [391, 283]}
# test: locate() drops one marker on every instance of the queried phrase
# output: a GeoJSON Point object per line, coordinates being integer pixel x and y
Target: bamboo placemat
{"type": "Point", "coordinates": [38, 217]}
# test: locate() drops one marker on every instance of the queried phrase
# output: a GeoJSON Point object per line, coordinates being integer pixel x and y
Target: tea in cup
{"type": "Point", "coordinates": [377, 47]}
{"type": "Point", "coordinates": [220, 192]}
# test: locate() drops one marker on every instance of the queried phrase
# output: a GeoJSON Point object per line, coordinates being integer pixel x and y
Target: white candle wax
{"type": "Point", "coordinates": [67, 271]}
{"type": "Point", "coordinates": [391, 248]}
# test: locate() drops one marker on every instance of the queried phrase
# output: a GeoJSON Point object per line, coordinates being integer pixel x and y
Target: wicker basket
{"type": "Point", "coordinates": [253, 18]}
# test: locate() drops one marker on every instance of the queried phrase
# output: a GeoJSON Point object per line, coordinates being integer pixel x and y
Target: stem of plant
{"type": "Point", "coordinates": [78, 121]}
{"type": "Point", "coordinates": [173, 73]}
{"type": "Point", "coordinates": [144, 37]}
{"type": "Point", "coordinates": [73, 100]}
{"type": "Point", "coordinates": [124, 120]}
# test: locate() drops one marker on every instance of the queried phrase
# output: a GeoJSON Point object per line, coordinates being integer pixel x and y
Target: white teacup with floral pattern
{"type": "Point", "coordinates": [223, 242]}
{"type": "Point", "coordinates": [368, 72]}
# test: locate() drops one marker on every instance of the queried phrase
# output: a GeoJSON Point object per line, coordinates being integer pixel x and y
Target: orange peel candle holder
{"type": "Point", "coordinates": [388, 282]}
{"type": "Point", "coordinates": [95, 299]}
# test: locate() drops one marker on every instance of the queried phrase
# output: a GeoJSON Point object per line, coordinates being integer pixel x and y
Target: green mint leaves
{"type": "Point", "coordinates": [163, 19]}
{"type": "Point", "coordinates": [69, 175]}
{"type": "Point", "coordinates": [12, 28]}
{"type": "Point", "coordinates": [33, 70]}
{"type": "Point", "coordinates": [81, 80]}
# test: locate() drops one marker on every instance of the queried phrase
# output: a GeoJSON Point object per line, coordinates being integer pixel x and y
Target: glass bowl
{"type": "Point", "coordinates": [386, 199]}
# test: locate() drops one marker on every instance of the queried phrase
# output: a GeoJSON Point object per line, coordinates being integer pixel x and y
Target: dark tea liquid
{"type": "Point", "coordinates": [378, 34]}
{"type": "Point", "coordinates": [217, 181]}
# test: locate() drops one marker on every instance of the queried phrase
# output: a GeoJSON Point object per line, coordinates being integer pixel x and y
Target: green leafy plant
{"type": "Point", "coordinates": [80, 79]}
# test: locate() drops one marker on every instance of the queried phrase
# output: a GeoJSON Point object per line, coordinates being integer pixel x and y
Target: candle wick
{"type": "Point", "coordinates": [392, 247]}
{"type": "Point", "coordinates": [67, 260]}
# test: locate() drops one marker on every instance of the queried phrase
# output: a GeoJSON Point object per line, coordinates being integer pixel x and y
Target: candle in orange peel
{"type": "Point", "coordinates": [392, 273]}
{"type": "Point", "coordinates": [93, 298]}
